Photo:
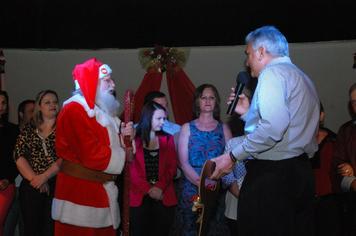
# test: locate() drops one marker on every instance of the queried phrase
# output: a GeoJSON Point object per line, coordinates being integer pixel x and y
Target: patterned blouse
{"type": "Point", "coordinates": [40, 153]}
{"type": "Point", "coordinates": [205, 145]}
{"type": "Point", "coordinates": [151, 164]}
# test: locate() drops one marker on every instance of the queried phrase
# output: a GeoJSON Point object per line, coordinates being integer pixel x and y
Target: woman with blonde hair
{"type": "Point", "coordinates": [38, 164]}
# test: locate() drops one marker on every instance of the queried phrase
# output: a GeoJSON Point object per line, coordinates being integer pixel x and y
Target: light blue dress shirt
{"type": "Point", "coordinates": [170, 128]}
{"type": "Point", "coordinates": [284, 115]}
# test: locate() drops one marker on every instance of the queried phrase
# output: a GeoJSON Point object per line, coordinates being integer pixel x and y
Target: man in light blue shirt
{"type": "Point", "coordinates": [277, 195]}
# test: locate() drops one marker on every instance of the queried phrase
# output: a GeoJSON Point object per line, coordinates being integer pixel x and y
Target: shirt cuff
{"type": "Point", "coordinates": [244, 116]}
{"type": "Point", "coordinates": [346, 183]}
{"type": "Point", "coordinates": [240, 153]}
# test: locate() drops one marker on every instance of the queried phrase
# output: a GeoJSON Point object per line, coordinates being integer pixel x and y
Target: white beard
{"type": "Point", "coordinates": [107, 102]}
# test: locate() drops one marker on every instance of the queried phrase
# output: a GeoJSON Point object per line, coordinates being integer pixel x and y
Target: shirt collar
{"type": "Point", "coordinates": [277, 60]}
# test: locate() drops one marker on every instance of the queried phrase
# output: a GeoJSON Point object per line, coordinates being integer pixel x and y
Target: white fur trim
{"type": "Point", "coordinates": [76, 84]}
{"type": "Point", "coordinates": [113, 193]}
{"type": "Point", "coordinates": [102, 118]}
{"type": "Point", "coordinates": [97, 112]}
{"type": "Point", "coordinates": [91, 113]}
{"type": "Point", "coordinates": [79, 215]}
{"type": "Point", "coordinates": [79, 99]}
{"type": "Point", "coordinates": [104, 70]}
{"type": "Point", "coordinates": [117, 121]}
{"type": "Point", "coordinates": [117, 160]}
{"type": "Point", "coordinates": [86, 216]}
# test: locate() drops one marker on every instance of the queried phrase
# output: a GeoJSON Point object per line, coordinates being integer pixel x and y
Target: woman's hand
{"type": "Point", "coordinates": [4, 183]}
{"type": "Point", "coordinates": [345, 169]}
{"type": "Point", "coordinates": [45, 189]}
{"type": "Point", "coordinates": [156, 193]}
{"type": "Point", "coordinates": [39, 180]}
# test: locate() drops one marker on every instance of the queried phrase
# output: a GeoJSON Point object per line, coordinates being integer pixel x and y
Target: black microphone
{"type": "Point", "coordinates": [242, 80]}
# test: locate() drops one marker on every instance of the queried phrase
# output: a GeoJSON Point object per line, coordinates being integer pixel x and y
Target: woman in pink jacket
{"type": "Point", "coordinates": [152, 196]}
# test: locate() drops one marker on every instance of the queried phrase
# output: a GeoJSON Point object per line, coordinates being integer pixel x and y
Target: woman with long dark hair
{"type": "Point", "coordinates": [38, 164]}
{"type": "Point", "coordinates": [152, 197]}
{"type": "Point", "coordinates": [8, 170]}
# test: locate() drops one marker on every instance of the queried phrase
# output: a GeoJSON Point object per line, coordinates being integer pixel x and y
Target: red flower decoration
{"type": "Point", "coordinates": [146, 53]}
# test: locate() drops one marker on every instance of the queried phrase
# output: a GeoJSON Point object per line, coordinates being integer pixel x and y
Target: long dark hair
{"type": "Point", "coordinates": [197, 95]}
{"type": "Point", "coordinates": [4, 119]}
{"type": "Point", "coordinates": [144, 126]}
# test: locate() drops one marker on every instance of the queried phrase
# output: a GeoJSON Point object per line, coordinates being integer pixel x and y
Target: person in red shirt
{"type": "Point", "coordinates": [329, 210]}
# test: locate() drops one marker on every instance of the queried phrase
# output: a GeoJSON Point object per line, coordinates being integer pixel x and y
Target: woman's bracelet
{"type": "Point", "coordinates": [45, 176]}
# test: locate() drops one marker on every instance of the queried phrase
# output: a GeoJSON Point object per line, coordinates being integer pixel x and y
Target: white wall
{"type": "Point", "coordinates": [328, 64]}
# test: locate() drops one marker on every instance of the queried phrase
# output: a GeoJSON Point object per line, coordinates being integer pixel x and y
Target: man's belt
{"type": "Point", "coordinates": [76, 170]}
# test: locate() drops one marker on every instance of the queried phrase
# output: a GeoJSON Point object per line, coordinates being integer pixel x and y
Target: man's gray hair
{"type": "Point", "coordinates": [271, 38]}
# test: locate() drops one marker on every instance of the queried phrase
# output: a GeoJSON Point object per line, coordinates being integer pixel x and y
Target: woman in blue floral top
{"type": "Point", "coordinates": [199, 140]}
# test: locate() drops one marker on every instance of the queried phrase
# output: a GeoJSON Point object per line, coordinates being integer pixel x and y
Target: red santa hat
{"type": "Point", "coordinates": [86, 77]}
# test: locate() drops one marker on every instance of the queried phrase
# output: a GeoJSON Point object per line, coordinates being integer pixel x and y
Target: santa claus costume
{"type": "Point", "coordinates": [87, 140]}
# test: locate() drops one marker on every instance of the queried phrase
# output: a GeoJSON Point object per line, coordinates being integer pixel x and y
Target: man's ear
{"type": "Point", "coordinates": [262, 50]}
{"type": "Point", "coordinates": [21, 114]}
{"type": "Point", "coordinates": [321, 118]}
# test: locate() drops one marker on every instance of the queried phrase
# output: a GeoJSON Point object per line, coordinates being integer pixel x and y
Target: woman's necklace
{"type": "Point", "coordinates": [205, 126]}
{"type": "Point", "coordinates": [44, 146]}
{"type": "Point", "coordinates": [152, 153]}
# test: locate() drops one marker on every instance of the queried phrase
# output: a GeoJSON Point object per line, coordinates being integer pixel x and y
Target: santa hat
{"type": "Point", "coordinates": [86, 77]}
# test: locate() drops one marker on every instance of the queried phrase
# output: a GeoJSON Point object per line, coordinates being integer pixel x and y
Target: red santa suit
{"type": "Point", "coordinates": [87, 136]}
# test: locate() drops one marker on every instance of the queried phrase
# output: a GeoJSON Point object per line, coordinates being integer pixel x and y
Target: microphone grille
{"type": "Point", "coordinates": [242, 78]}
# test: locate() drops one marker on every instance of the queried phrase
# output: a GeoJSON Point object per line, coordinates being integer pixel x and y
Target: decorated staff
{"type": "Point", "coordinates": [208, 194]}
{"type": "Point", "coordinates": [129, 107]}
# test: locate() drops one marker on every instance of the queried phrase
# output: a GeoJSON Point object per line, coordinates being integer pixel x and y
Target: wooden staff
{"type": "Point", "coordinates": [129, 110]}
{"type": "Point", "coordinates": [208, 193]}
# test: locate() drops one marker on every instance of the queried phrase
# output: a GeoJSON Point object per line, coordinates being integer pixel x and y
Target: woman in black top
{"type": "Point", "coordinates": [8, 170]}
